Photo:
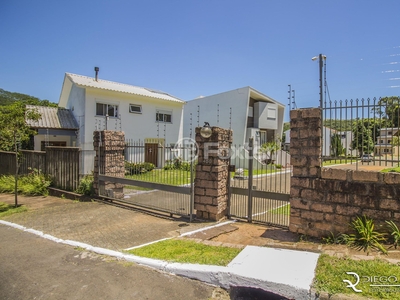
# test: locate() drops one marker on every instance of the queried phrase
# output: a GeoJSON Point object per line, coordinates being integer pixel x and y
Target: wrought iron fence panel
{"type": "Point", "coordinates": [361, 131]}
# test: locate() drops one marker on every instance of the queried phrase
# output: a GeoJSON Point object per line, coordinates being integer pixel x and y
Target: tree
{"type": "Point", "coordinates": [337, 148]}
{"type": "Point", "coordinates": [14, 130]}
{"type": "Point", "coordinates": [362, 138]}
{"type": "Point", "coordinates": [396, 141]}
{"type": "Point", "coordinates": [286, 126]}
{"type": "Point", "coordinates": [270, 148]}
{"type": "Point", "coordinates": [388, 108]}
{"type": "Point", "coordinates": [7, 98]}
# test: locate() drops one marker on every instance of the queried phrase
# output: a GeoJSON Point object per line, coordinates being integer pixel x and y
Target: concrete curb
{"type": "Point", "coordinates": [216, 275]}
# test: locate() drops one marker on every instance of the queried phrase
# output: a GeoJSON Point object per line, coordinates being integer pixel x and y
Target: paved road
{"type": "Point", "coordinates": [97, 224]}
{"type": "Point", "coordinates": [35, 268]}
{"type": "Point", "coordinates": [366, 166]}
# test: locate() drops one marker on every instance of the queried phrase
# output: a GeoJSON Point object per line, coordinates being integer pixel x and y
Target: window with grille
{"type": "Point", "coordinates": [165, 117]}
{"type": "Point", "coordinates": [103, 109]}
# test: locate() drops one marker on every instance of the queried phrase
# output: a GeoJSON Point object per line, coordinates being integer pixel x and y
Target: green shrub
{"type": "Point", "coordinates": [7, 184]}
{"type": "Point", "coordinates": [85, 186]}
{"type": "Point", "coordinates": [132, 168]}
{"type": "Point", "coordinates": [33, 184]}
{"type": "Point", "coordinates": [177, 164]}
{"type": "Point", "coordinates": [336, 239]}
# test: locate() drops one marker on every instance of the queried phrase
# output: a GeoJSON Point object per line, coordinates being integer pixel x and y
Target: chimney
{"type": "Point", "coordinates": [96, 69]}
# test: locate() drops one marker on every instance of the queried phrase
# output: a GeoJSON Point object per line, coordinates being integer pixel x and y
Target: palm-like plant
{"type": "Point", "coordinates": [395, 233]}
{"type": "Point", "coordinates": [365, 237]}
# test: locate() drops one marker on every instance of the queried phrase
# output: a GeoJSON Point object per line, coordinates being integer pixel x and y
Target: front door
{"type": "Point", "coordinates": [151, 153]}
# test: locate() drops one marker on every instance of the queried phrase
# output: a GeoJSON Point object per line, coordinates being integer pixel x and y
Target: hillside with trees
{"type": "Point", "coordinates": [7, 98]}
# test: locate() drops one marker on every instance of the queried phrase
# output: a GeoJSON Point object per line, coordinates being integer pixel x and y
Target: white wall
{"type": "Point", "coordinates": [135, 126]}
{"type": "Point", "coordinates": [76, 104]}
{"type": "Point", "coordinates": [70, 140]}
{"type": "Point", "coordinates": [225, 110]}
{"type": "Point", "coordinates": [267, 115]}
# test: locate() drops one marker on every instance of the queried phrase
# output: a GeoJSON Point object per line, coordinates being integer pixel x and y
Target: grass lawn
{"type": "Point", "coordinates": [395, 169]}
{"type": "Point", "coordinates": [337, 162]}
{"type": "Point", "coordinates": [181, 177]}
{"type": "Point", "coordinates": [185, 251]}
{"type": "Point", "coordinates": [172, 177]}
{"type": "Point", "coordinates": [331, 271]}
{"type": "Point", "coordinates": [283, 210]}
{"type": "Point", "coordinates": [267, 170]}
{"type": "Point", "coordinates": [8, 209]}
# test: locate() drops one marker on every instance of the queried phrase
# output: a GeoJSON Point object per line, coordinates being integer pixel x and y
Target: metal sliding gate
{"type": "Point", "coordinates": [157, 177]}
{"type": "Point", "coordinates": [260, 186]}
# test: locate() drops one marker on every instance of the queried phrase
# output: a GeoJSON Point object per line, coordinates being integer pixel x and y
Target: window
{"type": "Point", "coordinates": [250, 112]}
{"type": "Point", "coordinates": [135, 108]}
{"type": "Point", "coordinates": [165, 117]}
{"type": "Point", "coordinates": [52, 143]}
{"type": "Point", "coordinates": [271, 113]}
{"type": "Point", "coordinates": [106, 109]}
{"type": "Point", "coordinates": [381, 141]}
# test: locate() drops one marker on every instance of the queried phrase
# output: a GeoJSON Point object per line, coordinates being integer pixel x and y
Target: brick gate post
{"type": "Point", "coordinates": [212, 171]}
{"type": "Point", "coordinates": [109, 160]}
{"type": "Point", "coordinates": [305, 151]}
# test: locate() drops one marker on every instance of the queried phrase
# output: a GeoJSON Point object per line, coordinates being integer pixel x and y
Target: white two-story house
{"type": "Point", "coordinates": [384, 143]}
{"type": "Point", "coordinates": [143, 114]}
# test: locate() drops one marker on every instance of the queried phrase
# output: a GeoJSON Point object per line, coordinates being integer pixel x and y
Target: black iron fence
{"type": "Point", "coordinates": [157, 176]}
{"type": "Point", "coordinates": [260, 184]}
{"type": "Point", "coordinates": [361, 131]}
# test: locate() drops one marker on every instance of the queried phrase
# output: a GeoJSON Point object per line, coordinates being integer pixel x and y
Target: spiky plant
{"type": "Point", "coordinates": [365, 237]}
{"type": "Point", "coordinates": [394, 232]}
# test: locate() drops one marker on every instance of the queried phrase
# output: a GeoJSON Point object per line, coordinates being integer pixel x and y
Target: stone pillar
{"type": "Point", "coordinates": [110, 161]}
{"type": "Point", "coordinates": [212, 171]}
{"type": "Point", "coordinates": [305, 142]}
{"type": "Point", "coordinates": [305, 151]}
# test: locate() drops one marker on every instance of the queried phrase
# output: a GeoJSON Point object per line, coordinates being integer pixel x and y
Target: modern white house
{"type": "Point", "coordinates": [384, 143]}
{"type": "Point", "coordinates": [248, 112]}
{"type": "Point", "coordinates": [144, 114]}
{"type": "Point", "coordinates": [56, 127]}
{"type": "Point", "coordinates": [346, 138]}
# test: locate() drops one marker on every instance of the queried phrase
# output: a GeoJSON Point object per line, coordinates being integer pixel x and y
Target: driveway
{"type": "Point", "coordinates": [36, 268]}
{"type": "Point", "coordinates": [95, 223]}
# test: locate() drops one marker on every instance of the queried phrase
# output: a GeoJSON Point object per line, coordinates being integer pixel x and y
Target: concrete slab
{"type": "Point", "coordinates": [280, 267]}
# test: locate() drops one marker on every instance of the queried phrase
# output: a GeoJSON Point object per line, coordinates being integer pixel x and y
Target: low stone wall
{"type": "Point", "coordinates": [325, 200]}
{"type": "Point", "coordinates": [329, 203]}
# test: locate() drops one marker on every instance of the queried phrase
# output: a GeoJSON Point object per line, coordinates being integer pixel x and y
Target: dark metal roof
{"type": "Point", "coordinates": [53, 117]}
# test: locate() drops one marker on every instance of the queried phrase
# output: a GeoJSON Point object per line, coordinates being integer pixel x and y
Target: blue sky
{"type": "Point", "coordinates": [192, 48]}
